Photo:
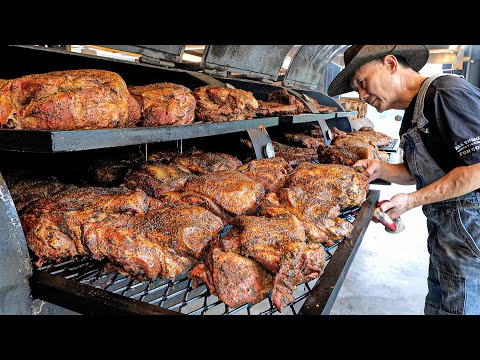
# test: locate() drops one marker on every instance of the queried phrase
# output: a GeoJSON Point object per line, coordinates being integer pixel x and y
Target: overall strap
{"type": "Point", "coordinates": [418, 111]}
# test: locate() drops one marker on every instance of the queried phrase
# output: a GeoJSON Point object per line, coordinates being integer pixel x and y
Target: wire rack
{"type": "Point", "coordinates": [178, 294]}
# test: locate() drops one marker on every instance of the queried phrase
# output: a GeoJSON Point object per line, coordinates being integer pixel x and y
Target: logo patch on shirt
{"type": "Point", "coordinates": [468, 146]}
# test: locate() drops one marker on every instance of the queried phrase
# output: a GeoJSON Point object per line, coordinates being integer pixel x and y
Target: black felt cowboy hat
{"type": "Point", "coordinates": [355, 56]}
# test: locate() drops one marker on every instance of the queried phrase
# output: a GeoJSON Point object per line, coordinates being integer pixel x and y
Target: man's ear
{"type": "Point", "coordinates": [391, 63]}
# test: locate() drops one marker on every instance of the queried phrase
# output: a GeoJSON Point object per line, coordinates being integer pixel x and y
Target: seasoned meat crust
{"type": "Point", "coordinates": [67, 100]}
{"type": "Point", "coordinates": [164, 104]}
{"type": "Point", "coordinates": [165, 242]}
{"type": "Point", "coordinates": [219, 104]}
{"type": "Point", "coordinates": [235, 279]}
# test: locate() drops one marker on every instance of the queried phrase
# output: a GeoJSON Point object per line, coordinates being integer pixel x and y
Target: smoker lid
{"type": "Point", "coordinates": [263, 61]}
{"type": "Point", "coordinates": [307, 66]}
{"type": "Point", "coordinates": [171, 53]}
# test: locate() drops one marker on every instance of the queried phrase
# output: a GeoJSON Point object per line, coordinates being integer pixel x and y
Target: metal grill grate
{"type": "Point", "coordinates": [178, 294]}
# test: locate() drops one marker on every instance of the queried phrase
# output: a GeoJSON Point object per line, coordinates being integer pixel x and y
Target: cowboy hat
{"type": "Point", "coordinates": [355, 56]}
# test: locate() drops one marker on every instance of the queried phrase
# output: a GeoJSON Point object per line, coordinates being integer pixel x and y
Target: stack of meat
{"type": "Point", "coordinates": [293, 155]}
{"type": "Point", "coordinates": [138, 235]}
{"type": "Point", "coordinates": [316, 194]}
{"type": "Point", "coordinates": [164, 104]}
{"type": "Point", "coordinates": [297, 217]}
{"type": "Point", "coordinates": [67, 100]}
{"type": "Point", "coordinates": [304, 140]}
{"type": "Point", "coordinates": [202, 162]}
{"type": "Point", "coordinates": [271, 173]}
{"type": "Point", "coordinates": [91, 99]}
{"type": "Point", "coordinates": [227, 193]}
{"type": "Point", "coordinates": [260, 255]}
{"type": "Point", "coordinates": [26, 187]}
{"type": "Point", "coordinates": [281, 102]}
{"type": "Point", "coordinates": [347, 148]}
{"type": "Point", "coordinates": [166, 217]}
{"type": "Point", "coordinates": [279, 248]}
{"type": "Point", "coordinates": [369, 135]}
{"type": "Point", "coordinates": [216, 104]}
{"type": "Point", "coordinates": [96, 99]}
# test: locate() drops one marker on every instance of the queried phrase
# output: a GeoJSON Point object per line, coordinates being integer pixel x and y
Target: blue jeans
{"type": "Point", "coordinates": [454, 247]}
{"type": "Point", "coordinates": [453, 227]}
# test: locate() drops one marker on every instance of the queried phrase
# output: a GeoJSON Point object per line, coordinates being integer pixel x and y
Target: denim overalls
{"type": "Point", "coordinates": [453, 229]}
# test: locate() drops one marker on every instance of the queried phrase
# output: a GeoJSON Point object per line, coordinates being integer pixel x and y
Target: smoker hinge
{"type": "Point", "coordinates": [222, 73]}
{"type": "Point", "coordinates": [157, 62]}
{"type": "Point", "coordinates": [266, 81]}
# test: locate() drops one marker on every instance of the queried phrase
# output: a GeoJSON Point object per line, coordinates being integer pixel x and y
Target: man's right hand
{"type": "Point", "coordinates": [372, 167]}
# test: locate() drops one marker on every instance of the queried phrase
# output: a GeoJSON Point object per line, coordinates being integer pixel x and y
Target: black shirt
{"type": "Point", "coordinates": [452, 108]}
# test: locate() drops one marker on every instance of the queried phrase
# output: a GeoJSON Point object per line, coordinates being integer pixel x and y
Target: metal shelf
{"type": "Point", "coordinates": [305, 118]}
{"type": "Point", "coordinates": [44, 141]}
{"type": "Point", "coordinates": [51, 141]}
{"type": "Point", "coordinates": [345, 113]}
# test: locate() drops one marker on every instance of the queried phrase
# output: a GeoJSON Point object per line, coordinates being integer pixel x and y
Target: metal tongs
{"type": "Point", "coordinates": [392, 226]}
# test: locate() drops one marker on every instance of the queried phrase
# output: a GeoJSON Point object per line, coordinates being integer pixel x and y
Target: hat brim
{"type": "Point", "coordinates": [415, 55]}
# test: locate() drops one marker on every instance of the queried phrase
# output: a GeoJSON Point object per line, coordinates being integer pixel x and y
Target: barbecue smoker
{"type": "Point", "coordinates": [80, 285]}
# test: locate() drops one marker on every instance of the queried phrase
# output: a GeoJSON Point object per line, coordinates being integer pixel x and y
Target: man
{"type": "Point", "coordinates": [440, 137]}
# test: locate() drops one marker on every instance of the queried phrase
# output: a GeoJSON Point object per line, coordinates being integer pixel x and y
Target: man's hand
{"type": "Point", "coordinates": [395, 173]}
{"type": "Point", "coordinates": [397, 205]}
{"type": "Point", "coordinates": [372, 167]}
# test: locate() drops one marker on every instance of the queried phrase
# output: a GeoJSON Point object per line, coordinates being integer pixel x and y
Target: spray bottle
{"type": "Point", "coordinates": [392, 226]}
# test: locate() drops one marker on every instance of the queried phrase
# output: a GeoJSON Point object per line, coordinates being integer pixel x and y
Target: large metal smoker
{"type": "Point", "coordinates": [80, 285]}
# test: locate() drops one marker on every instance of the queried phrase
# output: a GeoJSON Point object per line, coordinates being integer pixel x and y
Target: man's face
{"type": "Point", "coordinates": [373, 82]}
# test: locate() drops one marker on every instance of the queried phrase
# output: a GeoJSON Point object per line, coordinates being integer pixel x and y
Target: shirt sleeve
{"type": "Point", "coordinates": [458, 112]}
